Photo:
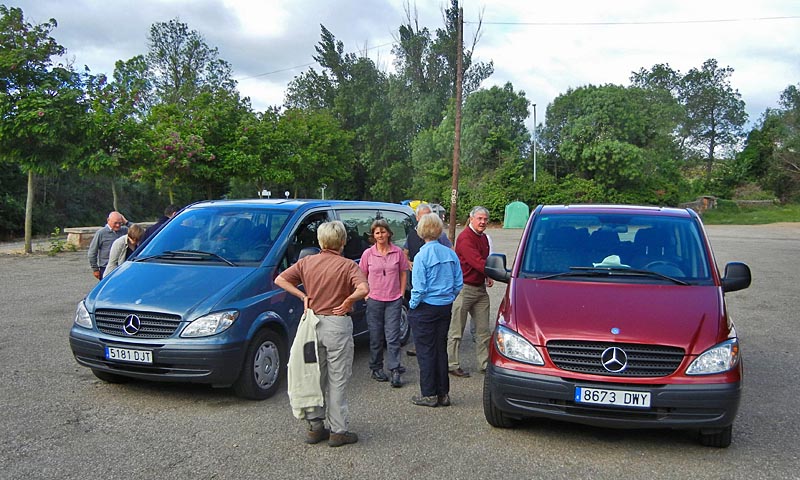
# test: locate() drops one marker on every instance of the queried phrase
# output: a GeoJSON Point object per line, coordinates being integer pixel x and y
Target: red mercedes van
{"type": "Point", "coordinates": [615, 316]}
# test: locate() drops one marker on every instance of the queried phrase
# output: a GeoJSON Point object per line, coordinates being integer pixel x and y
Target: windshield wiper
{"type": "Point", "coordinates": [624, 271]}
{"type": "Point", "coordinates": [187, 254]}
{"type": "Point", "coordinates": [583, 272]}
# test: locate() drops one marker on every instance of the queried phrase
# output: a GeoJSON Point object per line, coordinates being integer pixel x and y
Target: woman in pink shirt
{"type": "Point", "coordinates": [386, 267]}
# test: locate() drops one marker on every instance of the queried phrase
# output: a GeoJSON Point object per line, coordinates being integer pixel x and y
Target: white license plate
{"type": "Point", "coordinates": [618, 398]}
{"type": "Point", "coordinates": [129, 355]}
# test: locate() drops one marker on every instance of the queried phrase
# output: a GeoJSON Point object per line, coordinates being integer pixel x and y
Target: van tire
{"type": "Point", "coordinates": [494, 415]}
{"type": "Point", "coordinates": [264, 366]}
{"type": "Point", "coordinates": [718, 439]}
{"type": "Point", "coordinates": [405, 328]}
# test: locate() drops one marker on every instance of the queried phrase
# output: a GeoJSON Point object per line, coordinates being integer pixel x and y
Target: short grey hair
{"type": "Point", "coordinates": [430, 227]}
{"type": "Point", "coordinates": [422, 206]}
{"type": "Point", "coordinates": [478, 209]}
{"type": "Point", "coordinates": [332, 235]}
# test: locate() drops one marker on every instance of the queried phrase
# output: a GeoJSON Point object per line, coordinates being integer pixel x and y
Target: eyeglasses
{"type": "Point", "coordinates": [117, 223]}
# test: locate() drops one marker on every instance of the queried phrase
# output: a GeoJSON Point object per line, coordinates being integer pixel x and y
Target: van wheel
{"type": "Point", "coordinates": [263, 368]}
{"type": "Point", "coordinates": [494, 415]}
{"type": "Point", "coordinates": [405, 328]}
{"type": "Point", "coordinates": [110, 377]}
{"type": "Point", "coordinates": [719, 439]}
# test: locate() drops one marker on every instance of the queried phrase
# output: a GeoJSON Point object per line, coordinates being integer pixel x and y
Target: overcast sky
{"type": "Point", "coordinates": [542, 47]}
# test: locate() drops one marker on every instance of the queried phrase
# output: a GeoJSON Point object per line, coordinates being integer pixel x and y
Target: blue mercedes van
{"type": "Point", "coordinates": [197, 301]}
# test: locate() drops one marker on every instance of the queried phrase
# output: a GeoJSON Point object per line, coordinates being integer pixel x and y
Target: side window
{"type": "Point", "coordinates": [305, 235]}
{"type": "Point", "coordinates": [358, 223]}
{"type": "Point", "coordinates": [400, 223]}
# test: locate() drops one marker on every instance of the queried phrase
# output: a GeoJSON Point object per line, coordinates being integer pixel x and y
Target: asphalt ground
{"type": "Point", "coordinates": [59, 421]}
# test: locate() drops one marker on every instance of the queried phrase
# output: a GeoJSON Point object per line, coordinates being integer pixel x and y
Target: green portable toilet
{"type": "Point", "coordinates": [516, 215]}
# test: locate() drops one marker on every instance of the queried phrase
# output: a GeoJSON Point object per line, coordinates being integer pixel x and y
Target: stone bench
{"type": "Point", "coordinates": [81, 237]}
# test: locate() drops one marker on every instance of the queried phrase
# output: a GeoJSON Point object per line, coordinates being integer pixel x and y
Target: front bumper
{"type": "Point", "coordinates": [520, 395]}
{"type": "Point", "coordinates": [195, 362]}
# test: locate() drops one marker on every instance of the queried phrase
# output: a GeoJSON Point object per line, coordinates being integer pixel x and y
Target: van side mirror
{"type": "Point", "coordinates": [308, 251]}
{"type": "Point", "coordinates": [496, 268]}
{"type": "Point", "coordinates": [737, 277]}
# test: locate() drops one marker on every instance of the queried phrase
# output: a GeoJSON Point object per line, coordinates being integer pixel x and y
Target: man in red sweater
{"type": "Point", "coordinates": [472, 248]}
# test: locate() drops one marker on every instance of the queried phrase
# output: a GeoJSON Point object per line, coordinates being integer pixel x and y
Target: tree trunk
{"type": "Point", "coordinates": [114, 195]}
{"type": "Point", "coordinates": [29, 214]}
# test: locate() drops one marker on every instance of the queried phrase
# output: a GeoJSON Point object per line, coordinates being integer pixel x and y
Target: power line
{"type": "Point", "coordinates": [643, 22]}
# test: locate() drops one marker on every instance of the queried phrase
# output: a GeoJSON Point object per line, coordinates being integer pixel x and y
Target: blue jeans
{"type": "Point", "coordinates": [430, 324]}
{"type": "Point", "coordinates": [383, 320]}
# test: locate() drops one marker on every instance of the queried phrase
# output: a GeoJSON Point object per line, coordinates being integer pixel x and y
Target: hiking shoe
{"type": "Point", "coordinates": [339, 439]}
{"type": "Point", "coordinates": [459, 372]}
{"type": "Point", "coordinates": [444, 400]}
{"type": "Point", "coordinates": [315, 436]}
{"type": "Point", "coordinates": [379, 375]}
{"type": "Point", "coordinates": [431, 401]}
{"type": "Point", "coordinates": [396, 382]}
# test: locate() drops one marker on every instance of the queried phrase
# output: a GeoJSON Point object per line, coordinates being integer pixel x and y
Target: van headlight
{"type": "Point", "coordinates": [211, 324]}
{"type": "Point", "coordinates": [717, 359]}
{"type": "Point", "coordinates": [514, 346]}
{"type": "Point", "coordinates": [82, 317]}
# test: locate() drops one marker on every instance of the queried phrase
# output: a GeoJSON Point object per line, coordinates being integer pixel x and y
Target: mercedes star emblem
{"type": "Point", "coordinates": [132, 324]}
{"type": "Point", "coordinates": [614, 359]}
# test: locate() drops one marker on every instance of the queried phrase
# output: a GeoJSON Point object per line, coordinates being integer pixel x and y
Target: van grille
{"type": "Point", "coordinates": [642, 360]}
{"type": "Point", "coordinates": [152, 325]}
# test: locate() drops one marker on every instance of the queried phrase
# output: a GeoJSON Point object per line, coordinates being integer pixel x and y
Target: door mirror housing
{"type": "Point", "coordinates": [496, 268]}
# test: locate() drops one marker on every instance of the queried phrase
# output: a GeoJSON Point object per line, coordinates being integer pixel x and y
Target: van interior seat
{"type": "Point", "coordinates": [561, 249]}
{"type": "Point", "coordinates": [602, 243]}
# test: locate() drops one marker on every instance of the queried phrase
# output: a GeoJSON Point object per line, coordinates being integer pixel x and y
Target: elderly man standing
{"type": "Point", "coordinates": [99, 250]}
{"type": "Point", "coordinates": [332, 284]}
{"type": "Point", "coordinates": [472, 248]}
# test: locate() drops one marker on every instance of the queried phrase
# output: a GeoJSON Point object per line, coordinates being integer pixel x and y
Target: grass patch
{"type": "Point", "coordinates": [729, 213]}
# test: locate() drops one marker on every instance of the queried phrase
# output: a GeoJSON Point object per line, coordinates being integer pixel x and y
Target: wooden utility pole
{"type": "Point", "coordinates": [457, 140]}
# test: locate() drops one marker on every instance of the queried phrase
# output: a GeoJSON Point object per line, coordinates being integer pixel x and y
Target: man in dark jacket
{"type": "Point", "coordinates": [169, 212]}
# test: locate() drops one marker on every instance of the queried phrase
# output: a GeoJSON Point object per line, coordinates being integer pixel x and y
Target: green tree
{"type": "Point", "coordinates": [115, 122]}
{"type": "Point", "coordinates": [710, 114]}
{"type": "Point", "coordinates": [262, 153]}
{"type": "Point", "coordinates": [423, 88]}
{"type": "Point", "coordinates": [494, 127]}
{"type": "Point", "coordinates": [318, 151]}
{"type": "Point", "coordinates": [182, 65]}
{"type": "Point", "coordinates": [614, 136]}
{"type": "Point", "coordinates": [715, 112]}
{"type": "Point", "coordinates": [176, 153]}
{"type": "Point", "coordinates": [41, 106]}
{"type": "Point", "coordinates": [193, 130]}
{"type": "Point", "coordinates": [355, 92]}
{"type": "Point", "coordinates": [782, 127]}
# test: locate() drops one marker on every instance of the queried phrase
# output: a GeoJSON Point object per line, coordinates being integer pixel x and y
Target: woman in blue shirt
{"type": "Point", "coordinates": [436, 280]}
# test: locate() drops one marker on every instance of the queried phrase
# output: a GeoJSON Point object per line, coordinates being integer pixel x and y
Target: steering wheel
{"type": "Point", "coordinates": [665, 267]}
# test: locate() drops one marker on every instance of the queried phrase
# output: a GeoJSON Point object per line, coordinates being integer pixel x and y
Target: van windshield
{"type": "Point", "coordinates": [234, 236]}
{"type": "Point", "coordinates": [582, 244]}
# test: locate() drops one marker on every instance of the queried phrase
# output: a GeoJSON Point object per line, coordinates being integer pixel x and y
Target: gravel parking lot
{"type": "Point", "coordinates": [59, 421]}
